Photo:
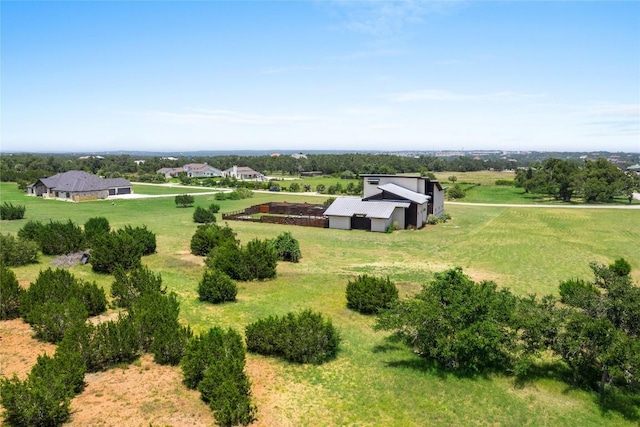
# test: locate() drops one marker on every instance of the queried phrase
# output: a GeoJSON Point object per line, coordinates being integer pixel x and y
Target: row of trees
{"type": "Point", "coordinates": [594, 181]}
{"type": "Point", "coordinates": [473, 328]}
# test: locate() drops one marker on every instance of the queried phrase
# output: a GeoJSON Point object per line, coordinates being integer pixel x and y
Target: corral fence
{"type": "Point", "coordinates": [304, 214]}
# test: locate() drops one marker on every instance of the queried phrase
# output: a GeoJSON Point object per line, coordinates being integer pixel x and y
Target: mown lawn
{"type": "Point", "coordinates": [374, 382]}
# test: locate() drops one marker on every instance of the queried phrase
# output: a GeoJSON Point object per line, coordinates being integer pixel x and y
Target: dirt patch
{"type": "Point", "coordinates": [68, 260]}
{"type": "Point", "coordinates": [19, 351]}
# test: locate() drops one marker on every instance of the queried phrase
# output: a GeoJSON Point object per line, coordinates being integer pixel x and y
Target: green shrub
{"type": "Point", "coordinates": [287, 247]}
{"type": "Point", "coordinates": [368, 294]}
{"type": "Point", "coordinates": [94, 227]}
{"type": "Point", "coordinates": [229, 258]}
{"type": "Point", "coordinates": [169, 342]}
{"type": "Point", "coordinates": [32, 230]}
{"type": "Point", "coordinates": [60, 238]}
{"type": "Point", "coordinates": [10, 292]}
{"type": "Point", "coordinates": [505, 182]}
{"type": "Point", "coordinates": [302, 338]}
{"type": "Point", "coordinates": [17, 251]}
{"type": "Point", "coordinates": [115, 249]}
{"type": "Point", "coordinates": [260, 258]}
{"type": "Point", "coordinates": [112, 343]}
{"type": "Point", "coordinates": [129, 285]}
{"type": "Point", "coordinates": [51, 319]}
{"type": "Point", "coordinates": [455, 192]}
{"type": "Point", "coordinates": [216, 287]}
{"type": "Point", "coordinates": [59, 286]}
{"type": "Point", "coordinates": [143, 236]}
{"type": "Point", "coordinates": [10, 212]}
{"type": "Point", "coordinates": [214, 364]}
{"type": "Point", "coordinates": [184, 200]}
{"type": "Point", "coordinates": [211, 236]}
{"type": "Point", "coordinates": [203, 216]}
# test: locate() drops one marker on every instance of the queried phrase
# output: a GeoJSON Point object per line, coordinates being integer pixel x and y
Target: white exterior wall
{"type": "Point", "coordinates": [398, 216]}
{"type": "Point", "coordinates": [422, 215]}
{"type": "Point", "coordinates": [340, 222]}
{"type": "Point", "coordinates": [438, 202]}
{"type": "Point", "coordinates": [380, 224]}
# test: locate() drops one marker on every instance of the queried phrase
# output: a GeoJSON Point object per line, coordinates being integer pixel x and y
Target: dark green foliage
{"type": "Point", "coordinates": [216, 287]}
{"type": "Point", "coordinates": [462, 325]}
{"type": "Point", "coordinates": [10, 292]}
{"type": "Point", "coordinates": [229, 258]}
{"type": "Point", "coordinates": [115, 249]}
{"type": "Point", "coordinates": [32, 230]}
{"type": "Point", "coordinates": [143, 236]}
{"type": "Point", "coordinates": [621, 267]}
{"type": "Point", "coordinates": [65, 367]}
{"type": "Point", "coordinates": [129, 285]}
{"type": "Point", "coordinates": [214, 364]}
{"type": "Point", "coordinates": [287, 247]}
{"type": "Point", "coordinates": [96, 226]}
{"type": "Point", "coordinates": [17, 251]}
{"type": "Point", "coordinates": [156, 318]}
{"type": "Point", "coordinates": [10, 212]}
{"type": "Point", "coordinates": [59, 286]}
{"type": "Point", "coordinates": [505, 182]}
{"type": "Point", "coordinates": [51, 319]}
{"type": "Point", "coordinates": [208, 237]}
{"type": "Point", "coordinates": [203, 216]}
{"type": "Point", "coordinates": [59, 238]}
{"type": "Point", "coordinates": [112, 343]}
{"type": "Point", "coordinates": [305, 337]}
{"type": "Point", "coordinates": [184, 200]}
{"type": "Point", "coordinates": [456, 192]}
{"type": "Point", "coordinates": [261, 259]}
{"type": "Point", "coordinates": [206, 215]}
{"type": "Point", "coordinates": [368, 294]}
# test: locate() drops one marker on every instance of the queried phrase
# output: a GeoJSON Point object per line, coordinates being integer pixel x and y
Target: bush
{"type": "Point", "coordinates": [456, 192]}
{"type": "Point", "coordinates": [184, 200]}
{"type": "Point", "coordinates": [112, 343]}
{"type": "Point", "coordinates": [10, 292]}
{"type": "Point", "coordinates": [203, 216]}
{"type": "Point", "coordinates": [129, 285]}
{"type": "Point", "coordinates": [505, 182]}
{"type": "Point", "coordinates": [51, 319]}
{"type": "Point", "coordinates": [16, 252]}
{"type": "Point", "coordinates": [59, 238]}
{"type": "Point", "coordinates": [211, 236]}
{"type": "Point", "coordinates": [261, 259]}
{"type": "Point", "coordinates": [60, 286]}
{"type": "Point", "coordinates": [229, 259]}
{"type": "Point", "coordinates": [32, 230]}
{"type": "Point", "coordinates": [368, 294]}
{"type": "Point", "coordinates": [116, 249]}
{"type": "Point", "coordinates": [143, 236]}
{"type": "Point", "coordinates": [216, 287]}
{"type": "Point", "coordinates": [10, 212]}
{"type": "Point", "coordinates": [94, 227]}
{"type": "Point", "coordinates": [287, 248]}
{"type": "Point", "coordinates": [214, 364]}
{"type": "Point", "coordinates": [302, 338]}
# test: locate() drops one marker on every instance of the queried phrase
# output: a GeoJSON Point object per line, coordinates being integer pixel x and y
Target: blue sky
{"type": "Point", "coordinates": [305, 75]}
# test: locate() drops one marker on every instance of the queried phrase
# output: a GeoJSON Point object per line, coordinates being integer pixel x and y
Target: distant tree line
{"type": "Point", "coordinates": [593, 181]}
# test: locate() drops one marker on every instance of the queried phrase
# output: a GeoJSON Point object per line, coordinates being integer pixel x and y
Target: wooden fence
{"type": "Point", "coordinates": [303, 214]}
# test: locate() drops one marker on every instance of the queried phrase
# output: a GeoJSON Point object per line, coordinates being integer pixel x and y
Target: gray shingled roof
{"type": "Point", "coordinates": [347, 206]}
{"type": "Point", "coordinates": [80, 181]}
{"type": "Point", "coordinates": [404, 193]}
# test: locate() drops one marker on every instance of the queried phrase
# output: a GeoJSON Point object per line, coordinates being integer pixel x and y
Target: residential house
{"type": "Point", "coordinates": [244, 173]}
{"type": "Point", "coordinates": [170, 172]}
{"type": "Point", "coordinates": [78, 186]}
{"type": "Point", "coordinates": [400, 201]}
{"type": "Point", "coordinates": [201, 170]}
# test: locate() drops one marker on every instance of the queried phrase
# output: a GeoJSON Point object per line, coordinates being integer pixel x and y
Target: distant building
{"type": "Point", "coordinates": [170, 172]}
{"type": "Point", "coordinates": [201, 170]}
{"type": "Point", "coordinates": [78, 186]}
{"type": "Point", "coordinates": [244, 173]}
{"type": "Point", "coordinates": [389, 200]}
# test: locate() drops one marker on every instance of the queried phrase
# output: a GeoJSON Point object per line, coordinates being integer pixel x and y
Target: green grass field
{"type": "Point", "coordinates": [373, 382]}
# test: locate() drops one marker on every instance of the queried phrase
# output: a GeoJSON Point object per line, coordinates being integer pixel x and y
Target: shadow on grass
{"type": "Point", "coordinates": [624, 403]}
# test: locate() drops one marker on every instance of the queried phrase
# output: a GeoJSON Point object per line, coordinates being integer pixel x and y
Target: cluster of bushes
{"type": "Point", "coordinates": [456, 192]}
{"type": "Point", "coordinates": [124, 247]}
{"type": "Point", "coordinates": [213, 364]}
{"type": "Point", "coordinates": [17, 251]}
{"type": "Point", "coordinates": [206, 215]}
{"type": "Point", "coordinates": [211, 236]}
{"type": "Point", "coordinates": [305, 337]}
{"type": "Point", "coordinates": [287, 247]}
{"type": "Point", "coordinates": [10, 292]}
{"type": "Point", "coordinates": [10, 212]}
{"type": "Point", "coordinates": [256, 260]}
{"type": "Point", "coordinates": [238, 194]}
{"type": "Point", "coordinates": [433, 220]}
{"type": "Point", "coordinates": [369, 294]}
{"type": "Point", "coordinates": [54, 237]}
{"type": "Point", "coordinates": [184, 200]}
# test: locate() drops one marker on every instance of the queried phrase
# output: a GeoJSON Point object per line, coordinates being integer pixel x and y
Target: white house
{"type": "Point", "coordinates": [243, 173]}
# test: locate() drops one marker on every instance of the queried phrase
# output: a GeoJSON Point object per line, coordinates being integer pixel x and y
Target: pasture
{"type": "Point", "coordinates": [374, 382]}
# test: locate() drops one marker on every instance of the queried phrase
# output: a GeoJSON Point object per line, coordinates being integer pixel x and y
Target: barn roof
{"type": "Point", "coordinates": [347, 206]}
{"type": "Point", "coordinates": [404, 193]}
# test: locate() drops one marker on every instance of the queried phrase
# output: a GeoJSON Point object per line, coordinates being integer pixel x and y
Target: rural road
{"type": "Point", "coordinates": [503, 205]}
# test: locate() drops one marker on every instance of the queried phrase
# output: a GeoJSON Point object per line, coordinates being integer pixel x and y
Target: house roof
{"type": "Point", "coordinates": [347, 206]}
{"type": "Point", "coordinates": [80, 181]}
{"type": "Point", "coordinates": [404, 193]}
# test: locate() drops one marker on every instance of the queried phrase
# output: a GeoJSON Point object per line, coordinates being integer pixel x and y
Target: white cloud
{"type": "Point", "coordinates": [224, 117]}
{"type": "Point", "coordinates": [444, 95]}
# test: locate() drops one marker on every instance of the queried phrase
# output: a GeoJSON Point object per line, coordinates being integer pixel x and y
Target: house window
{"type": "Point", "coordinates": [373, 181]}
